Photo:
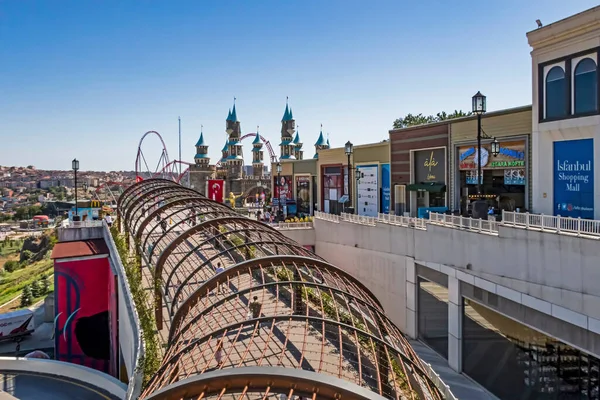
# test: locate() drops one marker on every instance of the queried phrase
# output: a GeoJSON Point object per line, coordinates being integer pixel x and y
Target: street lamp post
{"type": "Point", "coordinates": [75, 166]}
{"type": "Point", "coordinates": [479, 108]}
{"type": "Point", "coordinates": [279, 186]}
{"type": "Point", "coordinates": [349, 149]}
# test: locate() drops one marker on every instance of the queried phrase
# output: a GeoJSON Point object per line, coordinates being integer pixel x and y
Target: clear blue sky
{"type": "Point", "coordinates": [86, 79]}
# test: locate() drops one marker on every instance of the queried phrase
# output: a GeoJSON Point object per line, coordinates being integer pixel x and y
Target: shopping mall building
{"type": "Point", "coordinates": [566, 116]}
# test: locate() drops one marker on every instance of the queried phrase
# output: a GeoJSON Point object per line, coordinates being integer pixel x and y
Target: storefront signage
{"type": "Point", "coordinates": [574, 178]}
{"type": "Point", "coordinates": [430, 165]}
{"type": "Point", "coordinates": [511, 155]}
{"type": "Point", "coordinates": [283, 188]}
{"type": "Point", "coordinates": [514, 176]}
{"type": "Point", "coordinates": [216, 189]}
{"type": "Point", "coordinates": [303, 194]}
{"type": "Point", "coordinates": [385, 188]}
{"type": "Point", "coordinates": [367, 190]}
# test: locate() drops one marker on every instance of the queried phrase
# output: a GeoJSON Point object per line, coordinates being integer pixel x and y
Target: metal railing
{"type": "Point", "coordinates": [294, 225]}
{"type": "Point", "coordinates": [551, 223]}
{"type": "Point", "coordinates": [359, 219]}
{"type": "Point", "coordinates": [399, 220]}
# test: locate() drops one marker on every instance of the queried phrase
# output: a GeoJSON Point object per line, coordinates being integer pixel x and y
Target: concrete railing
{"type": "Point", "coordinates": [81, 375]}
{"type": "Point", "coordinates": [545, 223]}
{"type": "Point", "coordinates": [327, 217]}
{"type": "Point", "coordinates": [465, 223]}
{"type": "Point", "coordinates": [83, 224]}
{"type": "Point", "coordinates": [129, 323]}
{"type": "Point", "coordinates": [294, 225]}
{"type": "Point", "coordinates": [550, 223]}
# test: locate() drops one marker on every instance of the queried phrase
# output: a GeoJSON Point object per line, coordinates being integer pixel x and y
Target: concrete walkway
{"type": "Point", "coordinates": [461, 386]}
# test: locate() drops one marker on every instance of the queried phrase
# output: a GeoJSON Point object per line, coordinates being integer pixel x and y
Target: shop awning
{"type": "Point", "coordinates": [428, 187]}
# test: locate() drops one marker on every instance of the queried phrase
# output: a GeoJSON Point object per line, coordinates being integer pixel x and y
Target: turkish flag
{"type": "Point", "coordinates": [216, 189]}
{"type": "Point", "coordinates": [138, 179]}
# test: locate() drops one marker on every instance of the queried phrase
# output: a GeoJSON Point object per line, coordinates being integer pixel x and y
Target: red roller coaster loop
{"type": "Point", "coordinates": [142, 170]}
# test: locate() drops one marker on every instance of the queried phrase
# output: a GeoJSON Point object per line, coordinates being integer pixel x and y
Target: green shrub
{"type": "Point", "coordinates": [11, 266]}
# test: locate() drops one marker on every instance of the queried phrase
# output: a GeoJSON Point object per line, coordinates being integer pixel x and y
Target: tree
{"type": "Point", "coordinates": [420, 119]}
{"type": "Point", "coordinates": [45, 285]}
{"type": "Point", "coordinates": [26, 299]}
{"type": "Point", "coordinates": [36, 289]}
{"type": "Point", "coordinates": [11, 266]}
{"type": "Point", "coordinates": [26, 256]}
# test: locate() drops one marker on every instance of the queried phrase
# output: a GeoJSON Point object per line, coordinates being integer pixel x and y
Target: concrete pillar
{"type": "Point", "coordinates": [454, 324]}
{"type": "Point", "coordinates": [410, 326]}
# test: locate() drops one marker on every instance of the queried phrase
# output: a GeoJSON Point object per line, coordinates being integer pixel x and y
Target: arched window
{"type": "Point", "coordinates": [586, 86]}
{"type": "Point", "coordinates": [556, 93]}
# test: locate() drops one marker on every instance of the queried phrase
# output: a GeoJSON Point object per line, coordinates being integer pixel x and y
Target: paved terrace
{"type": "Point", "coordinates": [319, 333]}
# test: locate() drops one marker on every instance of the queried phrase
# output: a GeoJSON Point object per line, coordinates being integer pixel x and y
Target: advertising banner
{"type": "Point", "coordinates": [512, 155]}
{"type": "Point", "coordinates": [303, 194]}
{"type": "Point", "coordinates": [367, 189]}
{"type": "Point", "coordinates": [216, 190]}
{"type": "Point", "coordinates": [385, 188]}
{"type": "Point", "coordinates": [430, 165]}
{"type": "Point", "coordinates": [283, 188]}
{"type": "Point", "coordinates": [514, 177]}
{"type": "Point", "coordinates": [574, 178]}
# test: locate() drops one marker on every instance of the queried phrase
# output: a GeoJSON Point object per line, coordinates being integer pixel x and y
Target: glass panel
{"type": "Point", "coordinates": [433, 316]}
{"type": "Point", "coordinates": [556, 89]}
{"type": "Point", "coordinates": [586, 87]}
{"type": "Point", "coordinates": [516, 362]}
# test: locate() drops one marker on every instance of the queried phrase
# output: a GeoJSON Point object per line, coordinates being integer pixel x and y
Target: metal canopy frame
{"type": "Point", "coordinates": [319, 332]}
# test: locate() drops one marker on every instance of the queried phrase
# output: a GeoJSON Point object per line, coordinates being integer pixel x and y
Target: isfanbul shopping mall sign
{"type": "Point", "coordinates": [430, 165]}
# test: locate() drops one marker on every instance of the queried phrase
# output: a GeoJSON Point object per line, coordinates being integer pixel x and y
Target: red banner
{"type": "Point", "coordinates": [216, 189]}
{"type": "Point", "coordinates": [138, 179]}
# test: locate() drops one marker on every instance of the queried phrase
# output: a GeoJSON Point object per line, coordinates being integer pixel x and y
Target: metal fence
{"type": "Point", "coordinates": [551, 223]}
{"type": "Point", "coordinates": [294, 225]}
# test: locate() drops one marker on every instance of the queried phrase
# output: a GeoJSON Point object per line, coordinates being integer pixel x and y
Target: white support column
{"type": "Point", "coordinates": [411, 299]}
{"type": "Point", "coordinates": [454, 324]}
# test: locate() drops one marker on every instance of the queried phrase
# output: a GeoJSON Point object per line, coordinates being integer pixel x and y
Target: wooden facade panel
{"type": "Point", "coordinates": [332, 156]}
{"type": "Point", "coordinates": [422, 144]}
{"type": "Point", "coordinates": [512, 124]}
{"type": "Point", "coordinates": [418, 132]}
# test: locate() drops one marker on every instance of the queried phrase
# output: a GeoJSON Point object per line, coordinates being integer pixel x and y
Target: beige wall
{"type": "Point", "coordinates": [372, 153]}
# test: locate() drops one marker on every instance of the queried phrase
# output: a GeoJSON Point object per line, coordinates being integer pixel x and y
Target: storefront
{"type": "Point", "coordinates": [504, 182]}
{"type": "Point", "coordinates": [428, 187]}
{"type": "Point", "coordinates": [332, 188]}
{"type": "Point", "coordinates": [303, 195]}
{"type": "Point", "coordinates": [574, 178]}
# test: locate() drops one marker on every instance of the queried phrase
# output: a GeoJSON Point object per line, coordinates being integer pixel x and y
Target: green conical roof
{"type": "Point", "coordinates": [200, 141]}
{"type": "Point", "coordinates": [233, 115]}
{"type": "Point", "coordinates": [229, 115]}
{"type": "Point", "coordinates": [328, 145]}
{"type": "Point", "coordinates": [297, 138]}
{"type": "Point", "coordinates": [257, 139]}
{"type": "Point", "coordinates": [321, 140]}
{"type": "Point", "coordinates": [225, 148]}
{"type": "Point", "coordinates": [291, 114]}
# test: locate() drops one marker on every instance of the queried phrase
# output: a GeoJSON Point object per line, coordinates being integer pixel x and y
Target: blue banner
{"type": "Point", "coordinates": [385, 188]}
{"type": "Point", "coordinates": [574, 178]}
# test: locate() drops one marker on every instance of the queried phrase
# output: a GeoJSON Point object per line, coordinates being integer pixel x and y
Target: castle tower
{"type": "Point", "coordinates": [201, 158]}
{"type": "Point", "coordinates": [235, 161]}
{"type": "Point", "coordinates": [224, 154]}
{"type": "Point", "coordinates": [201, 171]}
{"type": "Point", "coordinates": [288, 128]}
{"type": "Point", "coordinates": [298, 153]}
{"type": "Point", "coordinates": [257, 156]}
{"type": "Point", "coordinates": [321, 143]}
